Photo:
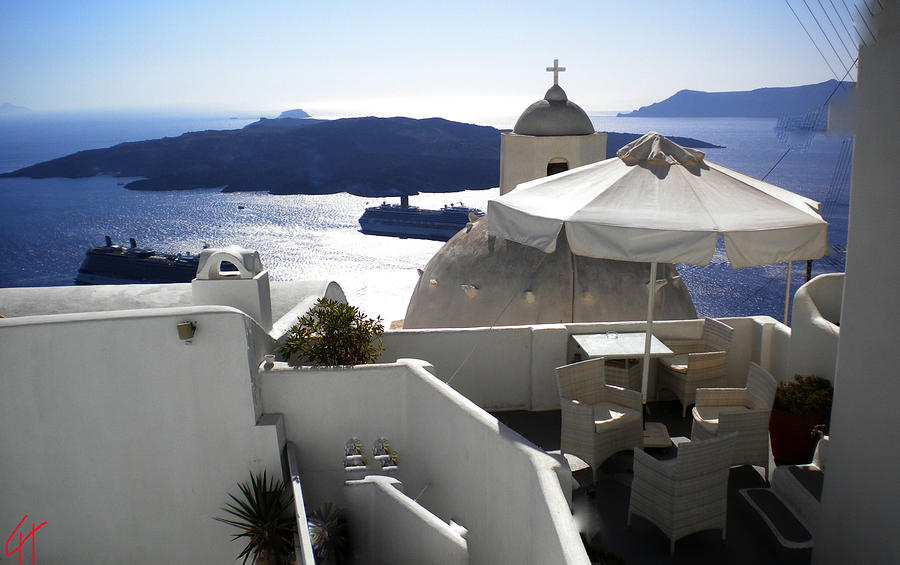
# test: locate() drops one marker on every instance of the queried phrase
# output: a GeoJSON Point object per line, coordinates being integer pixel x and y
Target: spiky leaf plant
{"type": "Point", "coordinates": [328, 535]}
{"type": "Point", "coordinates": [334, 333]}
{"type": "Point", "coordinates": [264, 518]}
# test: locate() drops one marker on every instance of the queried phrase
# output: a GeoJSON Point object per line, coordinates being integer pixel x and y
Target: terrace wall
{"type": "Point", "coordinates": [454, 459]}
{"type": "Point", "coordinates": [512, 367]}
{"type": "Point", "coordinates": [860, 496]}
{"type": "Point", "coordinates": [391, 527]}
{"type": "Point", "coordinates": [126, 439]}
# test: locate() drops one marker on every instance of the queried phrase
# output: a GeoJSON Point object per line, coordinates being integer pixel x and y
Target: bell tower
{"type": "Point", "coordinates": [551, 136]}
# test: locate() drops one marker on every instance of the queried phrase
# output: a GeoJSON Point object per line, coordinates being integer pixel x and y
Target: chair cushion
{"type": "Point", "coordinates": [607, 413]}
{"type": "Point", "coordinates": [677, 363]}
{"type": "Point", "coordinates": [708, 416]}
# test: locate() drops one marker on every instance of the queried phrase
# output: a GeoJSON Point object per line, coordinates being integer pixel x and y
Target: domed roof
{"type": "Point", "coordinates": [554, 115]}
{"type": "Point", "coordinates": [477, 279]}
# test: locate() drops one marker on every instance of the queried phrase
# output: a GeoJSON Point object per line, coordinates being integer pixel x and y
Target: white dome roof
{"type": "Point", "coordinates": [477, 279]}
{"type": "Point", "coordinates": [554, 115]}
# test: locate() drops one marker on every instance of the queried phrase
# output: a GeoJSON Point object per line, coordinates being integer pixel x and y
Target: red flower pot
{"type": "Point", "coordinates": [792, 436]}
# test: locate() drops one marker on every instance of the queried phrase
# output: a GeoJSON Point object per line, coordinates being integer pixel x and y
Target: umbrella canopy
{"type": "Point", "coordinates": [660, 202]}
{"type": "Point", "coordinates": [657, 201]}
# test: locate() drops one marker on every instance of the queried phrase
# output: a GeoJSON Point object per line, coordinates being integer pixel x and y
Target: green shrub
{"type": "Point", "coordinates": [264, 517]}
{"type": "Point", "coordinates": [334, 333]}
{"type": "Point", "coordinates": [804, 395]}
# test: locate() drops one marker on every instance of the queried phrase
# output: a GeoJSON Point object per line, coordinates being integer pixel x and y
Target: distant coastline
{"type": "Point", "coordinates": [372, 157]}
{"type": "Point", "coordinates": [7, 109]}
{"type": "Point", "coordinates": [774, 102]}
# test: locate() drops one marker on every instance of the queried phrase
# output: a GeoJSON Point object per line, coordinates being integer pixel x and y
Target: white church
{"type": "Point", "coordinates": [127, 413]}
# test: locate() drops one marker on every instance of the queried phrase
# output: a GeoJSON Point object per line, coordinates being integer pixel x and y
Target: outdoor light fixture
{"type": "Point", "coordinates": [186, 330]}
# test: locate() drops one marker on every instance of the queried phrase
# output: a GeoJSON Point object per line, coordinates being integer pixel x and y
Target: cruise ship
{"type": "Point", "coordinates": [115, 264]}
{"type": "Point", "coordinates": [405, 221]}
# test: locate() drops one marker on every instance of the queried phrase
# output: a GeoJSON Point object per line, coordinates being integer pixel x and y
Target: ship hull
{"type": "Point", "coordinates": [415, 223]}
{"type": "Point", "coordinates": [109, 268]}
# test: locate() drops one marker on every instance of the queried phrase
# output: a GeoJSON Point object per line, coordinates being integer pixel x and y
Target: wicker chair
{"type": "Point", "coordinates": [696, 363]}
{"type": "Point", "coordinates": [598, 419]}
{"type": "Point", "coordinates": [742, 410]}
{"type": "Point", "coordinates": [687, 494]}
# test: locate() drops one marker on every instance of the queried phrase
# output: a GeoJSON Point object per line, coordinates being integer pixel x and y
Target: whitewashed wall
{"type": "Point", "coordinates": [456, 460]}
{"type": "Point", "coordinates": [512, 368]}
{"type": "Point", "coordinates": [815, 329]}
{"type": "Point", "coordinates": [389, 527]}
{"type": "Point", "coordinates": [125, 439]}
{"type": "Point", "coordinates": [861, 495]}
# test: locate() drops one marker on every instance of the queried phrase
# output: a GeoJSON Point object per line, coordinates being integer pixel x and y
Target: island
{"type": "Point", "coordinates": [8, 109]}
{"type": "Point", "coordinates": [773, 102]}
{"type": "Point", "coordinates": [368, 156]}
{"type": "Point", "coordinates": [297, 113]}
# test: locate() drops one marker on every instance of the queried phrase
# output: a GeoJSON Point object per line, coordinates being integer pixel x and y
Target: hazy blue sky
{"type": "Point", "coordinates": [457, 59]}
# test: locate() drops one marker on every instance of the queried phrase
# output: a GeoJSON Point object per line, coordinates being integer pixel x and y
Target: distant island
{"type": "Point", "coordinates": [760, 103]}
{"type": "Point", "coordinates": [370, 157]}
{"type": "Point", "coordinates": [298, 113]}
{"type": "Point", "coordinates": [7, 108]}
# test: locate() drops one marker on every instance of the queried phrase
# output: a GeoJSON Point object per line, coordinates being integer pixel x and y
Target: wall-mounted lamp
{"type": "Point", "coordinates": [186, 330]}
{"type": "Point", "coordinates": [469, 289]}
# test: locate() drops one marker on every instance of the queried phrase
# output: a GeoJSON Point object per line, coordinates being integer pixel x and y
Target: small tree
{"type": "Point", "coordinates": [263, 516]}
{"type": "Point", "coordinates": [334, 333]}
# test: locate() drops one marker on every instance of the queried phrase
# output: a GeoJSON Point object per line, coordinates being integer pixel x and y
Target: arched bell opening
{"type": "Point", "coordinates": [557, 165]}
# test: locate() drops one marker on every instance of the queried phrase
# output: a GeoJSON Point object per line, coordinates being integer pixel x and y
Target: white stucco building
{"type": "Point", "coordinates": [124, 435]}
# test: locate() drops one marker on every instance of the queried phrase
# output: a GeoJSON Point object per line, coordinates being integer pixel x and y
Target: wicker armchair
{"type": "Point", "coordinates": [687, 494]}
{"type": "Point", "coordinates": [598, 419]}
{"type": "Point", "coordinates": [742, 410]}
{"type": "Point", "coordinates": [696, 363]}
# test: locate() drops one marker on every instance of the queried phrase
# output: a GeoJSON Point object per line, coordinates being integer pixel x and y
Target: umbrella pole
{"type": "Point", "coordinates": [645, 371]}
{"type": "Point", "coordinates": [787, 293]}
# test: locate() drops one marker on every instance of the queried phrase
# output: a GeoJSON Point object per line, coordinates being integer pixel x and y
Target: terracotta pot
{"type": "Point", "coordinates": [792, 436]}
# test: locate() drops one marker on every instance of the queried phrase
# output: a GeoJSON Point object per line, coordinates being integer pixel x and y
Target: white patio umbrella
{"type": "Point", "coordinates": [659, 202]}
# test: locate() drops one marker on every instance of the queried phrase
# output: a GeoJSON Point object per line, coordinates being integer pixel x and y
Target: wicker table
{"type": "Point", "coordinates": [623, 353]}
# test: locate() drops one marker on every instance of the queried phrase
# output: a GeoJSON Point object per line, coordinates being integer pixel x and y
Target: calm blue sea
{"type": "Point", "coordinates": [45, 225]}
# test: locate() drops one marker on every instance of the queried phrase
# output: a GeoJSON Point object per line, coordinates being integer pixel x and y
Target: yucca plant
{"type": "Point", "coordinates": [328, 535]}
{"type": "Point", "coordinates": [264, 518]}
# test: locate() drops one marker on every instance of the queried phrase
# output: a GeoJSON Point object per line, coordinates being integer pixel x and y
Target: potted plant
{"type": "Point", "coordinates": [385, 457]}
{"type": "Point", "coordinates": [800, 405]}
{"type": "Point", "coordinates": [263, 516]}
{"type": "Point", "coordinates": [328, 535]}
{"type": "Point", "coordinates": [333, 333]}
{"type": "Point", "coordinates": [355, 459]}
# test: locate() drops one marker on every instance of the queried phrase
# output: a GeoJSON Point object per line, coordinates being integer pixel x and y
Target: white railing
{"type": "Point", "coordinates": [303, 548]}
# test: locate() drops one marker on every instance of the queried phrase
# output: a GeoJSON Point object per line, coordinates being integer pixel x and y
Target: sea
{"type": "Point", "coordinates": [47, 224]}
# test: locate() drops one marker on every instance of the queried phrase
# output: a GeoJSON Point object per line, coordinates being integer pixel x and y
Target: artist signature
{"type": "Point", "coordinates": [22, 541]}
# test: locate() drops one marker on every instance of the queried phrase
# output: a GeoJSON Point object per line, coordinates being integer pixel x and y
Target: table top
{"type": "Point", "coordinates": [656, 435]}
{"type": "Point", "coordinates": [624, 346]}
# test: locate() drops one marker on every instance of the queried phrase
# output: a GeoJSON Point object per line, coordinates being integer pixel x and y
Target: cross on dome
{"type": "Point", "coordinates": [556, 69]}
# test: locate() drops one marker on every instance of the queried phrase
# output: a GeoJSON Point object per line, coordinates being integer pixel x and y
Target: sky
{"type": "Point", "coordinates": [462, 59]}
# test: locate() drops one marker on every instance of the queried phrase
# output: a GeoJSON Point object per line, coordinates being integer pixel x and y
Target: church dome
{"type": "Point", "coordinates": [554, 115]}
{"type": "Point", "coordinates": [478, 279]}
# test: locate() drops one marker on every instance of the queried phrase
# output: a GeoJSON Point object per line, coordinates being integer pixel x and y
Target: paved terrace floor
{"type": "Point", "coordinates": [601, 514]}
